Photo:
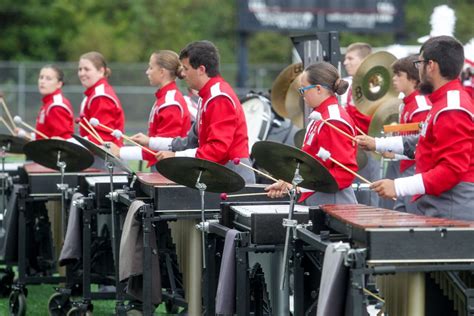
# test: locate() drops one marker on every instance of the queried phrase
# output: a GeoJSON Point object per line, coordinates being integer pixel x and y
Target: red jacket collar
{"type": "Point", "coordinates": [323, 107]}
{"type": "Point", "coordinates": [90, 90]}
{"type": "Point", "coordinates": [206, 90]}
{"type": "Point", "coordinates": [49, 98]}
{"type": "Point", "coordinates": [161, 92]}
{"type": "Point", "coordinates": [409, 99]}
{"type": "Point", "coordinates": [441, 92]}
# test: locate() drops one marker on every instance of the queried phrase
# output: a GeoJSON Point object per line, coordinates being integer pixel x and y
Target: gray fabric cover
{"type": "Point", "coordinates": [225, 296]}
{"type": "Point", "coordinates": [131, 257]}
{"type": "Point", "coordinates": [372, 173]}
{"type": "Point", "coordinates": [333, 288]}
{"type": "Point", "coordinates": [9, 248]}
{"type": "Point", "coordinates": [72, 248]}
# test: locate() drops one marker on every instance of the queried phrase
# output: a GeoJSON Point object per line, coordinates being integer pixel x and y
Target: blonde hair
{"type": "Point", "coordinates": [362, 49]}
{"type": "Point", "coordinates": [98, 60]}
{"type": "Point", "coordinates": [169, 60]}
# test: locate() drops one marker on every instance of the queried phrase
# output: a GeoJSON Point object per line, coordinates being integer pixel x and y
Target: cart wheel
{"type": "Point", "coordinates": [134, 312]}
{"type": "Point", "coordinates": [59, 304]}
{"type": "Point", "coordinates": [76, 311]}
{"type": "Point", "coordinates": [17, 304]}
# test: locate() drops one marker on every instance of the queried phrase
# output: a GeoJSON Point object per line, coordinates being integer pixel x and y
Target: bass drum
{"type": "Point", "coordinates": [258, 114]}
{"type": "Point", "coordinates": [263, 123]}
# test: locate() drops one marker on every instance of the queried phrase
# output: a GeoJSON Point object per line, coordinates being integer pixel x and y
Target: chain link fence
{"type": "Point", "coordinates": [18, 82]}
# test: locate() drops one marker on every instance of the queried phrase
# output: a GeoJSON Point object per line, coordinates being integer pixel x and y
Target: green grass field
{"type": "Point", "coordinates": [38, 296]}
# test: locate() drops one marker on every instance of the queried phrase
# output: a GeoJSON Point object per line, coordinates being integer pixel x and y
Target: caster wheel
{"type": "Point", "coordinates": [76, 311]}
{"type": "Point", "coordinates": [134, 312]}
{"type": "Point", "coordinates": [59, 304]}
{"type": "Point", "coordinates": [17, 304]}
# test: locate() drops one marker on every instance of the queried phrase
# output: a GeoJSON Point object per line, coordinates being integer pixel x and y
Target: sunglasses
{"type": "Point", "coordinates": [302, 90]}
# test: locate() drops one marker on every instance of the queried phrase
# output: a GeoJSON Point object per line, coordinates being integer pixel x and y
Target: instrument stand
{"type": "Point", "coordinates": [202, 189]}
{"type": "Point", "coordinates": [62, 187]}
{"type": "Point", "coordinates": [289, 223]}
{"type": "Point", "coordinates": [119, 305]}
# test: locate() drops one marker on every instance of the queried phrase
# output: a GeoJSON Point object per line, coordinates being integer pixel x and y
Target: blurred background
{"type": "Point", "coordinates": [252, 36]}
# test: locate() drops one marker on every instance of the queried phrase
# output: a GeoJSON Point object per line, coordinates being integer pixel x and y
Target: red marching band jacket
{"type": "Point", "coordinates": [414, 109]}
{"type": "Point", "coordinates": [222, 129]}
{"type": "Point", "coordinates": [169, 116]}
{"type": "Point", "coordinates": [102, 103]}
{"type": "Point", "coordinates": [56, 116]}
{"type": "Point", "coordinates": [341, 148]}
{"type": "Point", "coordinates": [361, 120]}
{"type": "Point", "coordinates": [445, 152]}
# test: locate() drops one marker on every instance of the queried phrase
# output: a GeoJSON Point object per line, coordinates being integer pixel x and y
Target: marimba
{"type": "Point", "coordinates": [388, 242]}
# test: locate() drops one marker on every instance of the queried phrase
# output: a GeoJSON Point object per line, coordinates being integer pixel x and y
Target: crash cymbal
{"type": "Point", "coordinates": [293, 105]}
{"type": "Point", "coordinates": [281, 86]}
{"type": "Point", "coordinates": [298, 139]}
{"type": "Point", "coordinates": [386, 114]}
{"type": "Point", "coordinates": [46, 152]}
{"type": "Point", "coordinates": [186, 170]}
{"type": "Point", "coordinates": [102, 153]}
{"type": "Point", "coordinates": [12, 144]}
{"type": "Point", "coordinates": [281, 161]}
{"type": "Point", "coordinates": [372, 83]}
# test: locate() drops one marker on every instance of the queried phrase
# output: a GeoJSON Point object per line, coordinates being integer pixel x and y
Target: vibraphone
{"type": "Point", "coordinates": [258, 255]}
{"type": "Point", "coordinates": [178, 207]}
{"type": "Point", "coordinates": [38, 184]}
{"type": "Point", "coordinates": [388, 242]}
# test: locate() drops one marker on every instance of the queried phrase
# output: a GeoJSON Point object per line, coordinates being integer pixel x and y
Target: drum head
{"type": "Point", "coordinates": [258, 114]}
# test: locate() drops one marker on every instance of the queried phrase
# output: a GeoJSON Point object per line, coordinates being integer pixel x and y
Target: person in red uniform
{"type": "Point", "coordinates": [319, 84]}
{"type": "Point", "coordinates": [444, 179]}
{"type": "Point", "coordinates": [56, 115]}
{"type": "Point", "coordinates": [414, 108]}
{"type": "Point", "coordinates": [169, 116]}
{"type": "Point", "coordinates": [100, 100]}
{"type": "Point", "coordinates": [355, 55]}
{"type": "Point", "coordinates": [220, 133]}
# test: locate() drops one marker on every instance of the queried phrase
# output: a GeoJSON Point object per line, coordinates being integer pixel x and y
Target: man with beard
{"type": "Point", "coordinates": [444, 181]}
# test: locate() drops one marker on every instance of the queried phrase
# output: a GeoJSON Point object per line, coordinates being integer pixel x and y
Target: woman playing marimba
{"type": "Point", "coordinates": [318, 85]}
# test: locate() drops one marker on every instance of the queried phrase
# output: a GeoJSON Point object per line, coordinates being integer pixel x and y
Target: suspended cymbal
{"type": "Point", "coordinates": [12, 144]}
{"type": "Point", "coordinates": [186, 170]}
{"type": "Point", "coordinates": [103, 153]}
{"type": "Point", "coordinates": [298, 139]}
{"type": "Point", "coordinates": [47, 152]}
{"type": "Point", "coordinates": [372, 83]}
{"type": "Point", "coordinates": [281, 161]}
{"type": "Point", "coordinates": [386, 114]}
{"type": "Point", "coordinates": [293, 105]}
{"type": "Point", "coordinates": [281, 86]}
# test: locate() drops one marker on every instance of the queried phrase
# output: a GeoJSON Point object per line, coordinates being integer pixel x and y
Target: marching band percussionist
{"type": "Point", "coordinates": [100, 100]}
{"type": "Point", "coordinates": [220, 132]}
{"type": "Point", "coordinates": [169, 116]}
{"type": "Point", "coordinates": [355, 54]}
{"type": "Point", "coordinates": [56, 115]}
{"type": "Point", "coordinates": [414, 109]}
{"type": "Point", "coordinates": [444, 179]}
{"type": "Point", "coordinates": [319, 84]}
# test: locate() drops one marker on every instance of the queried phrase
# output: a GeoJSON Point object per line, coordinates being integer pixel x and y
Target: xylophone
{"type": "Point", "coordinates": [395, 237]}
{"type": "Point", "coordinates": [423, 264]}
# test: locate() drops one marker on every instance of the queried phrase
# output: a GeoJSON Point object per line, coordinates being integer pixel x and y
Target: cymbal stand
{"type": "Point", "coordinates": [110, 166]}
{"type": "Point", "coordinates": [62, 187]}
{"type": "Point", "coordinates": [202, 189]}
{"type": "Point", "coordinates": [289, 222]}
